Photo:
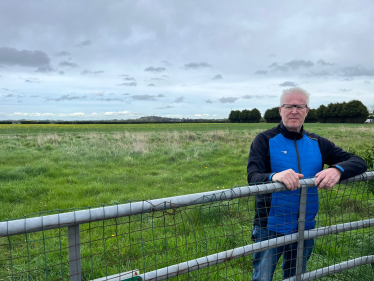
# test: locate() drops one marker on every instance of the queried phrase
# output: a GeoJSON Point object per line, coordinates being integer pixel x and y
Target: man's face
{"type": "Point", "coordinates": [293, 118]}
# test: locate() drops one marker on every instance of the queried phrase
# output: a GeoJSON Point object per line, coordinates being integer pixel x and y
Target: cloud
{"type": "Point", "coordinates": [345, 90]}
{"type": "Point", "coordinates": [166, 63]}
{"type": "Point", "coordinates": [67, 97]}
{"type": "Point", "coordinates": [261, 72]}
{"type": "Point", "coordinates": [65, 63]}
{"type": "Point", "coordinates": [11, 56]}
{"type": "Point", "coordinates": [323, 63]}
{"type": "Point", "coordinates": [201, 115]}
{"type": "Point", "coordinates": [164, 76]}
{"type": "Point", "coordinates": [318, 74]}
{"type": "Point", "coordinates": [155, 69]}
{"type": "Point", "coordinates": [84, 72]}
{"type": "Point", "coordinates": [5, 89]}
{"type": "Point", "coordinates": [44, 69]}
{"type": "Point", "coordinates": [151, 85]}
{"type": "Point", "coordinates": [288, 84]}
{"type": "Point", "coordinates": [84, 43]}
{"type": "Point", "coordinates": [358, 71]}
{"type": "Point", "coordinates": [32, 80]}
{"type": "Point", "coordinates": [61, 72]}
{"type": "Point", "coordinates": [165, 107]}
{"type": "Point", "coordinates": [109, 99]}
{"type": "Point", "coordinates": [8, 96]}
{"type": "Point", "coordinates": [34, 96]}
{"type": "Point", "coordinates": [208, 101]}
{"type": "Point", "coordinates": [99, 94]}
{"type": "Point", "coordinates": [217, 77]}
{"type": "Point", "coordinates": [132, 84]}
{"type": "Point", "coordinates": [194, 65]}
{"type": "Point", "coordinates": [294, 65]}
{"type": "Point", "coordinates": [180, 99]}
{"type": "Point", "coordinates": [128, 79]}
{"type": "Point", "coordinates": [144, 97]}
{"type": "Point", "coordinates": [367, 82]}
{"type": "Point", "coordinates": [62, 54]}
{"type": "Point", "coordinates": [157, 79]}
{"type": "Point", "coordinates": [247, 97]}
{"type": "Point", "coordinates": [228, 99]}
{"type": "Point", "coordinates": [271, 56]}
{"type": "Point", "coordinates": [160, 95]}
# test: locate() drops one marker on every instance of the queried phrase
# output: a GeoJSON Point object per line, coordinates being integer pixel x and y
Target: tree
{"type": "Point", "coordinates": [312, 116]}
{"type": "Point", "coordinates": [256, 114]}
{"type": "Point", "coordinates": [245, 116]}
{"type": "Point", "coordinates": [272, 115]}
{"type": "Point", "coordinates": [234, 116]}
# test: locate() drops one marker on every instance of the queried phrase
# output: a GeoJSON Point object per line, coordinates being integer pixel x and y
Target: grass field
{"type": "Point", "coordinates": [48, 167]}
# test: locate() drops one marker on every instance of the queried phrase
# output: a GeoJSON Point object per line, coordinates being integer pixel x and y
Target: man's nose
{"type": "Point", "coordinates": [294, 110]}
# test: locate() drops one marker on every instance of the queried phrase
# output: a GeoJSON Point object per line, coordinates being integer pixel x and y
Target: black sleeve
{"type": "Point", "coordinates": [351, 165]}
{"type": "Point", "coordinates": [258, 167]}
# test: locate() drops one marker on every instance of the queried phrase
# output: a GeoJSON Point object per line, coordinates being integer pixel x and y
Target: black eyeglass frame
{"type": "Point", "coordinates": [295, 105]}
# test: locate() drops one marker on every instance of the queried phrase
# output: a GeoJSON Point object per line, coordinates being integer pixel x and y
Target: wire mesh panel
{"type": "Point", "coordinates": [162, 238]}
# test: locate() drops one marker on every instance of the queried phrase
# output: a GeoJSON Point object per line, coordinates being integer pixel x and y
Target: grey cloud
{"type": "Point", "coordinates": [5, 89]}
{"type": "Point", "coordinates": [358, 71]}
{"type": "Point", "coordinates": [144, 97]}
{"type": "Point", "coordinates": [34, 96]}
{"type": "Point", "coordinates": [276, 67]}
{"type": "Point", "coordinates": [9, 96]}
{"type": "Point", "coordinates": [65, 63]}
{"type": "Point", "coordinates": [126, 94]}
{"type": "Point", "coordinates": [261, 72]}
{"type": "Point", "coordinates": [84, 72]}
{"type": "Point", "coordinates": [164, 76]}
{"type": "Point", "coordinates": [228, 99]}
{"type": "Point", "coordinates": [180, 99]}
{"type": "Point", "coordinates": [208, 101]}
{"type": "Point", "coordinates": [166, 63]}
{"type": "Point", "coordinates": [367, 82]}
{"type": "Point", "coordinates": [156, 79]}
{"type": "Point", "coordinates": [288, 84]}
{"type": "Point", "coordinates": [165, 107]}
{"type": "Point", "coordinates": [128, 79]}
{"type": "Point", "coordinates": [62, 54]}
{"type": "Point", "coordinates": [20, 96]}
{"type": "Point", "coordinates": [123, 75]}
{"type": "Point", "coordinates": [271, 56]}
{"type": "Point", "coordinates": [84, 43]}
{"type": "Point", "coordinates": [11, 56]}
{"type": "Point", "coordinates": [67, 98]}
{"type": "Point", "coordinates": [44, 69]}
{"type": "Point", "coordinates": [99, 94]}
{"type": "Point", "coordinates": [155, 69]}
{"type": "Point", "coordinates": [194, 65]}
{"type": "Point", "coordinates": [61, 72]}
{"type": "Point", "coordinates": [247, 97]}
{"type": "Point", "coordinates": [132, 84]}
{"type": "Point", "coordinates": [296, 64]}
{"type": "Point", "coordinates": [32, 80]}
{"type": "Point", "coordinates": [151, 85]}
{"type": "Point", "coordinates": [217, 77]}
{"type": "Point", "coordinates": [109, 99]}
{"type": "Point", "coordinates": [346, 79]}
{"type": "Point", "coordinates": [345, 90]}
{"type": "Point", "coordinates": [323, 63]}
{"type": "Point", "coordinates": [318, 74]}
{"type": "Point", "coordinates": [160, 95]}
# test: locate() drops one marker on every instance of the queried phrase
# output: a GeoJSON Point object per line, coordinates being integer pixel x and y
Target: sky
{"type": "Point", "coordinates": [90, 60]}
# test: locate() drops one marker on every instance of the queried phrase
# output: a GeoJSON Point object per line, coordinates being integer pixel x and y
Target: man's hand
{"type": "Point", "coordinates": [289, 178]}
{"type": "Point", "coordinates": [326, 179]}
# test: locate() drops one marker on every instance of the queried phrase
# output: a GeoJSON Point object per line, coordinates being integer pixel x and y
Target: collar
{"type": "Point", "coordinates": [290, 135]}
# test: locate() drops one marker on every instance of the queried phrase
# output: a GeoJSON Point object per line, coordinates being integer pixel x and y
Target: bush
{"type": "Point", "coordinates": [352, 112]}
{"type": "Point", "coordinates": [272, 115]}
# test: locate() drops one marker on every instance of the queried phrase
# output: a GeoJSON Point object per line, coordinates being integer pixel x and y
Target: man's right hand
{"type": "Point", "coordinates": [289, 178]}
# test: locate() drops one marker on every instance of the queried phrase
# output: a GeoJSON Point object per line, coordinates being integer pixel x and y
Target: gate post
{"type": "Point", "coordinates": [74, 253]}
{"type": "Point", "coordinates": [301, 228]}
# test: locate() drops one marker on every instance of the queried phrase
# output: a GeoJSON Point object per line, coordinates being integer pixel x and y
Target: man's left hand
{"type": "Point", "coordinates": [326, 179]}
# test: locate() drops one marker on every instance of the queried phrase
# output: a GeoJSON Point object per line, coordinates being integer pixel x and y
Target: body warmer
{"type": "Point", "coordinates": [277, 150]}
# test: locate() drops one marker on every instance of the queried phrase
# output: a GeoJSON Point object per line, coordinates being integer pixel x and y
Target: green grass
{"type": "Point", "coordinates": [48, 167]}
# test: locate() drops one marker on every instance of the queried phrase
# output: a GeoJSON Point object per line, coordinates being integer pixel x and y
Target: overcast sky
{"type": "Point", "coordinates": [192, 59]}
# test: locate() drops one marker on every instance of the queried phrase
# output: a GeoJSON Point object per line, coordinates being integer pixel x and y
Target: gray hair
{"type": "Point", "coordinates": [295, 90]}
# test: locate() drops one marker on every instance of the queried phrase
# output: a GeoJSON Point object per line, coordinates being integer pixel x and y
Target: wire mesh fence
{"type": "Point", "coordinates": [186, 240]}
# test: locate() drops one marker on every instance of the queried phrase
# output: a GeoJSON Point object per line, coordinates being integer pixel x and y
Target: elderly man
{"type": "Point", "coordinates": [286, 154]}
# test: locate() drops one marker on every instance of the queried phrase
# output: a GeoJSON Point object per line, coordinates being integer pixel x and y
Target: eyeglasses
{"type": "Point", "coordinates": [291, 106]}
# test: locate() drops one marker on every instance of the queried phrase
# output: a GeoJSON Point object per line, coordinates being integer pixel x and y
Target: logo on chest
{"type": "Point", "coordinates": [285, 152]}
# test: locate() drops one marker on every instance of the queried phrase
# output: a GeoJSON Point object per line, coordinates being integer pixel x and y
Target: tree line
{"type": "Point", "coordinates": [346, 112]}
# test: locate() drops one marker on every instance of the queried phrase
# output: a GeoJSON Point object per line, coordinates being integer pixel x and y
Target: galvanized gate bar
{"type": "Point", "coordinates": [74, 253]}
{"type": "Point", "coordinates": [8, 228]}
{"type": "Point", "coordinates": [300, 229]}
{"type": "Point", "coordinates": [312, 275]}
{"type": "Point", "coordinates": [203, 262]}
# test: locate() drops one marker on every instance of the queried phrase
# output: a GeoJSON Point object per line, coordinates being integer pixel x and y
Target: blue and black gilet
{"type": "Point", "coordinates": [277, 150]}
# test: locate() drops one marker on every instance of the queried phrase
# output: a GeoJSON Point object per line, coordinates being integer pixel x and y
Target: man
{"type": "Point", "coordinates": [286, 154]}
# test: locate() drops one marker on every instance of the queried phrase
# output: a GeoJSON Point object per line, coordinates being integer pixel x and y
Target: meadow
{"type": "Point", "coordinates": [49, 167]}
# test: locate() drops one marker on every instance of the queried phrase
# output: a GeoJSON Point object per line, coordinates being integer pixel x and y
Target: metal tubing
{"type": "Point", "coordinates": [300, 229]}
{"type": "Point", "coordinates": [203, 262]}
{"type": "Point", "coordinates": [74, 253]}
{"type": "Point", "coordinates": [8, 228]}
{"type": "Point", "coordinates": [312, 275]}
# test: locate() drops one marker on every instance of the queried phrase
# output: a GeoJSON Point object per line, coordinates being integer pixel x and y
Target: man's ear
{"type": "Point", "coordinates": [279, 110]}
{"type": "Point", "coordinates": [307, 111]}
